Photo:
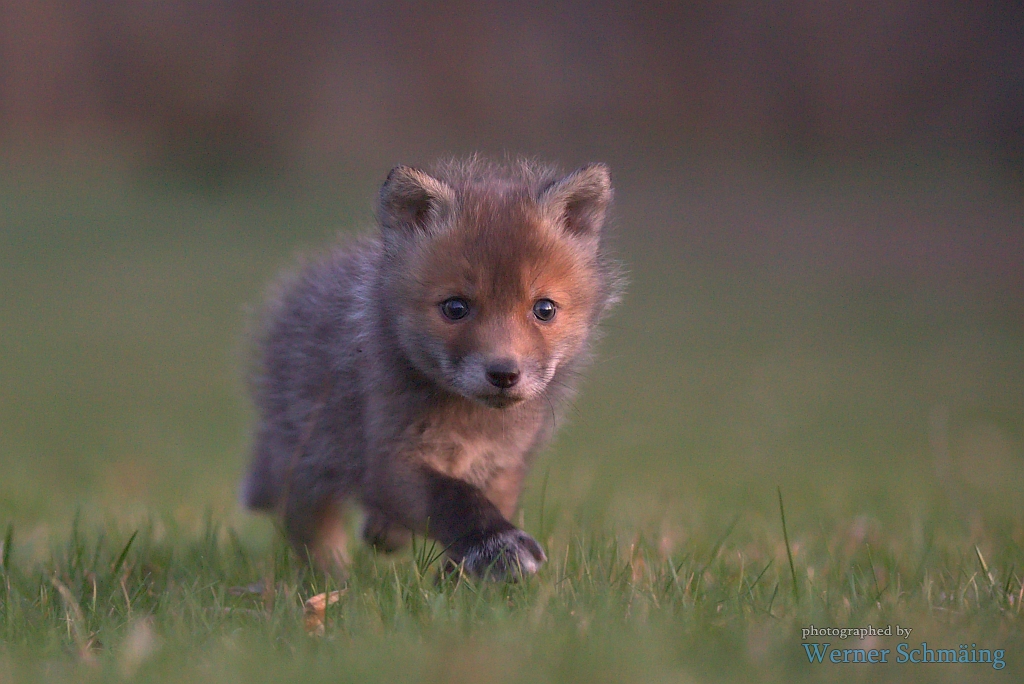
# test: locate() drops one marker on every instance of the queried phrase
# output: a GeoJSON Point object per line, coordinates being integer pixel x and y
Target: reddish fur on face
{"type": "Point", "coordinates": [502, 255]}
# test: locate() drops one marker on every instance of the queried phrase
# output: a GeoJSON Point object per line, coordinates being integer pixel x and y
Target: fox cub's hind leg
{"type": "Point", "coordinates": [383, 534]}
{"type": "Point", "coordinates": [319, 534]}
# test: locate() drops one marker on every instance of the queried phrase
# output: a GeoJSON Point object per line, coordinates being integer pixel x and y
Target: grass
{"type": "Point", "coordinates": [160, 605]}
{"type": "Point", "coordinates": [808, 411]}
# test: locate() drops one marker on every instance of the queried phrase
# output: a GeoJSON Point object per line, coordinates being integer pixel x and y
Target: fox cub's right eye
{"type": "Point", "coordinates": [455, 308]}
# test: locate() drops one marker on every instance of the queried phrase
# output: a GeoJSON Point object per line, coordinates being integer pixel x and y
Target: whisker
{"type": "Point", "coordinates": [570, 402]}
{"type": "Point", "coordinates": [554, 418]}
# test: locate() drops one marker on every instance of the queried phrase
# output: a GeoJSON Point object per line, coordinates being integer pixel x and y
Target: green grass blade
{"type": "Point", "coordinates": [124, 554]}
{"type": "Point", "coordinates": [789, 552]}
{"type": "Point", "coordinates": [5, 560]}
{"type": "Point", "coordinates": [984, 567]}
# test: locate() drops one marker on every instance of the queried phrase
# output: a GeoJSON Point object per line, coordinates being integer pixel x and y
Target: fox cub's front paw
{"type": "Point", "coordinates": [508, 555]}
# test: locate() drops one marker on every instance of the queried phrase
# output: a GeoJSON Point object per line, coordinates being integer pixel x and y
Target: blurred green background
{"type": "Point", "coordinates": [819, 205]}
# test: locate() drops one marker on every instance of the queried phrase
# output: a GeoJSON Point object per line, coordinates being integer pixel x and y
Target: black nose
{"type": "Point", "coordinates": [503, 374]}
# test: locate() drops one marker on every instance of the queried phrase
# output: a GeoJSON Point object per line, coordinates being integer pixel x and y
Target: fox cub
{"type": "Point", "coordinates": [419, 371]}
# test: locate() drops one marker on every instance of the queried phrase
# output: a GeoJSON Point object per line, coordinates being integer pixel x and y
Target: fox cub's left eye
{"type": "Point", "coordinates": [544, 309]}
{"type": "Point", "coordinates": [455, 308]}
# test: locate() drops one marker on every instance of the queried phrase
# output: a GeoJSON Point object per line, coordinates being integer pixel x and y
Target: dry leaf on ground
{"type": "Point", "coordinates": [315, 608]}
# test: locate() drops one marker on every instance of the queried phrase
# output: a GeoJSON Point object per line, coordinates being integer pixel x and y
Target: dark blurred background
{"type": "Point", "coordinates": [819, 203]}
{"type": "Point", "coordinates": [236, 85]}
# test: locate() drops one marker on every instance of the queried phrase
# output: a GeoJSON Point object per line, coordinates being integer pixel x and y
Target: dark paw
{"type": "Point", "coordinates": [507, 555]}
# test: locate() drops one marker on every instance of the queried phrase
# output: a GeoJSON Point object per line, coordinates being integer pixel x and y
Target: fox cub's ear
{"type": "Point", "coordinates": [410, 199]}
{"type": "Point", "coordinates": [580, 200]}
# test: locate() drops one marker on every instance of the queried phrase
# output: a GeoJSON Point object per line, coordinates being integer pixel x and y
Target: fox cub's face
{"type": "Point", "coordinates": [492, 283]}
